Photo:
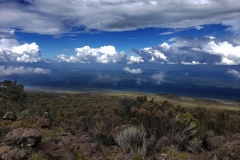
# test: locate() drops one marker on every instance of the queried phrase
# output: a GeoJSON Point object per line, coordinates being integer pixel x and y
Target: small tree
{"type": "Point", "coordinates": [12, 91]}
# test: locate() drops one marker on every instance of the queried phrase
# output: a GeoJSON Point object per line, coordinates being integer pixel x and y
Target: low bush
{"type": "Point", "coordinates": [132, 140]}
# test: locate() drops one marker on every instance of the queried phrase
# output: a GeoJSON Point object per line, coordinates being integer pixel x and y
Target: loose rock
{"type": "Point", "coordinates": [11, 153]}
{"type": "Point", "coordinates": [9, 116]}
{"type": "Point", "coordinates": [55, 151]}
{"type": "Point", "coordinates": [227, 151]}
{"type": "Point", "coordinates": [43, 123]}
{"type": "Point", "coordinates": [23, 137]}
{"type": "Point", "coordinates": [163, 141]}
{"type": "Point", "coordinates": [212, 143]}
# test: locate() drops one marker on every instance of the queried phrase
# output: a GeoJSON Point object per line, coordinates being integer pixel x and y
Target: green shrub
{"type": "Point", "coordinates": [132, 140]}
{"type": "Point", "coordinates": [185, 132]}
{"type": "Point", "coordinates": [175, 154]}
{"type": "Point", "coordinates": [142, 98]}
{"type": "Point", "coordinates": [129, 102]}
{"type": "Point", "coordinates": [37, 156]}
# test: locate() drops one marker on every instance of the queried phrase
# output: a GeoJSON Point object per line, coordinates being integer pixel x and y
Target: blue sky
{"type": "Point", "coordinates": [120, 31]}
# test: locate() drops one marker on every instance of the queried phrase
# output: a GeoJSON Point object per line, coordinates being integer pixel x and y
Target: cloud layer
{"type": "Point", "coordinates": [57, 17]}
{"type": "Point", "coordinates": [10, 70]}
{"type": "Point", "coordinates": [177, 50]}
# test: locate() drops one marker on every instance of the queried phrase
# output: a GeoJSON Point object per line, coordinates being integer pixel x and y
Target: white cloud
{"type": "Point", "coordinates": [234, 25]}
{"type": "Point", "coordinates": [6, 33]}
{"type": "Point", "coordinates": [203, 50]}
{"type": "Point", "coordinates": [229, 54]}
{"type": "Point", "coordinates": [47, 17]}
{"type": "Point", "coordinates": [210, 37]}
{"type": "Point", "coordinates": [132, 71]}
{"type": "Point", "coordinates": [102, 77]}
{"type": "Point", "coordinates": [152, 55]}
{"type": "Point", "coordinates": [155, 53]}
{"type": "Point", "coordinates": [140, 80]}
{"type": "Point", "coordinates": [134, 59]}
{"type": "Point", "coordinates": [166, 33]}
{"type": "Point", "coordinates": [191, 63]}
{"type": "Point", "coordinates": [165, 46]}
{"type": "Point", "coordinates": [175, 30]}
{"type": "Point", "coordinates": [234, 73]}
{"type": "Point", "coordinates": [11, 70]}
{"type": "Point", "coordinates": [223, 48]}
{"type": "Point", "coordinates": [181, 50]}
{"type": "Point", "coordinates": [65, 58]}
{"type": "Point", "coordinates": [8, 43]}
{"type": "Point", "coordinates": [12, 51]}
{"type": "Point", "coordinates": [104, 54]}
{"type": "Point", "coordinates": [189, 51]}
{"type": "Point", "coordinates": [158, 78]}
{"type": "Point", "coordinates": [226, 61]}
{"type": "Point", "coordinates": [198, 27]}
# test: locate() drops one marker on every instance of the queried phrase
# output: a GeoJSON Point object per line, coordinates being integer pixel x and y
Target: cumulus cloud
{"type": "Point", "coordinates": [134, 59]}
{"type": "Point", "coordinates": [177, 50]}
{"type": "Point", "coordinates": [151, 55]}
{"type": "Point", "coordinates": [12, 51]}
{"type": "Point", "coordinates": [180, 51]}
{"type": "Point", "coordinates": [226, 61]}
{"type": "Point", "coordinates": [165, 46]}
{"type": "Point", "coordinates": [6, 43]}
{"type": "Point", "coordinates": [230, 55]}
{"type": "Point", "coordinates": [234, 73]}
{"type": "Point", "coordinates": [190, 51]}
{"type": "Point", "coordinates": [158, 78]}
{"type": "Point", "coordinates": [65, 58]}
{"type": "Point", "coordinates": [86, 54]}
{"type": "Point", "coordinates": [47, 17]}
{"type": "Point", "coordinates": [132, 71]}
{"type": "Point", "coordinates": [11, 70]}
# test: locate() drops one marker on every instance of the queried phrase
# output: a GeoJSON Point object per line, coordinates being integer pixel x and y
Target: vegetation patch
{"type": "Point", "coordinates": [121, 125]}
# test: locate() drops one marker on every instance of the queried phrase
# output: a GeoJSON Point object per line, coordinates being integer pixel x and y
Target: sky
{"type": "Point", "coordinates": [187, 32]}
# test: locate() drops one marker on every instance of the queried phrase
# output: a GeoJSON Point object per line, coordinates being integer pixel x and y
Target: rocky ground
{"type": "Point", "coordinates": [31, 143]}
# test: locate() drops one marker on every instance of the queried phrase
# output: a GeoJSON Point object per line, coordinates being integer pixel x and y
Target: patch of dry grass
{"type": "Point", "coordinates": [214, 104]}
